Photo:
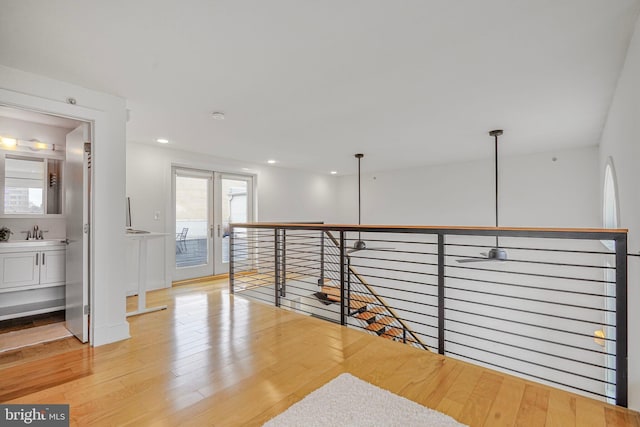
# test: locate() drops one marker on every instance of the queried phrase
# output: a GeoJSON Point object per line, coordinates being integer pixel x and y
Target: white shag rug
{"type": "Point", "coordinates": [349, 401]}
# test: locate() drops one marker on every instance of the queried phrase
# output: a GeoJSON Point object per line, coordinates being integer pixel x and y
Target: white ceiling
{"type": "Point", "coordinates": [310, 83]}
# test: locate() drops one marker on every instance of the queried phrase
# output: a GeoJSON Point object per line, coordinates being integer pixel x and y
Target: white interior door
{"type": "Point", "coordinates": [193, 202]}
{"type": "Point", "coordinates": [76, 179]}
{"type": "Point", "coordinates": [233, 204]}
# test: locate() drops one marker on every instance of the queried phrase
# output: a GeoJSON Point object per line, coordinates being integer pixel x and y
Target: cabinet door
{"type": "Point", "coordinates": [52, 267]}
{"type": "Point", "coordinates": [19, 269]}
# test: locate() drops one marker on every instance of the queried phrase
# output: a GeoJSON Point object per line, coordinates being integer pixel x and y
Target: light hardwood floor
{"type": "Point", "coordinates": [215, 359]}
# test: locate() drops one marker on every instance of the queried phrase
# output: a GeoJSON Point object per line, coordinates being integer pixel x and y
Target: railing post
{"type": "Point", "coordinates": [321, 281]}
{"type": "Point", "coordinates": [283, 272]}
{"type": "Point", "coordinates": [231, 266]}
{"type": "Point", "coordinates": [440, 293]}
{"type": "Point", "coordinates": [343, 313]}
{"type": "Point", "coordinates": [621, 322]}
{"type": "Point", "coordinates": [348, 272]}
{"type": "Point", "coordinates": [276, 243]}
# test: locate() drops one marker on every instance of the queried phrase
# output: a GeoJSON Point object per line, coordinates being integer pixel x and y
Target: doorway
{"type": "Point", "coordinates": [45, 178]}
{"type": "Point", "coordinates": [205, 204]}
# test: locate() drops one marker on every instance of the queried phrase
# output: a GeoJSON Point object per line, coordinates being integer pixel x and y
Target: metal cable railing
{"type": "Point", "coordinates": [554, 311]}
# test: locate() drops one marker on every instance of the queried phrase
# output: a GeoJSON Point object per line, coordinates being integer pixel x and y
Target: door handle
{"type": "Point", "coordinates": [219, 230]}
{"type": "Point", "coordinates": [65, 241]}
{"type": "Point", "coordinates": [42, 258]}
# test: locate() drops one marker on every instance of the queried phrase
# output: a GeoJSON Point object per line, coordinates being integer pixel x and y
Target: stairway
{"type": "Point", "coordinates": [374, 317]}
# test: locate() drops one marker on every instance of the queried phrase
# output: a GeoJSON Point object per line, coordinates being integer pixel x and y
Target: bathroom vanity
{"type": "Point", "coordinates": [32, 277]}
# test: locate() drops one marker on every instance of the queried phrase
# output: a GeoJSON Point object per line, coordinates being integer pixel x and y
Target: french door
{"type": "Point", "coordinates": [205, 204]}
{"type": "Point", "coordinates": [233, 204]}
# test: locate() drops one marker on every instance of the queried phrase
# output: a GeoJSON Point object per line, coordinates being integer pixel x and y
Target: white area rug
{"type": "Point", "coordinates": [32, 336]}
{"type": "Point", "coordinates": [349, 401]}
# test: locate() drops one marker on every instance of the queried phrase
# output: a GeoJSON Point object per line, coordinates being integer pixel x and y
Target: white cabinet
{"type": "Point", "coordinates": [18, 270]}
{"type": "Point", "coordinates": [52, 267]}
{"type": "Point", "coordinates": [29, 270]}
{"type": "Point", "coordinates": [26, 271]}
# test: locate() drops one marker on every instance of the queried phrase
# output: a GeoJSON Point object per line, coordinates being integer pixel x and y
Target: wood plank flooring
{"type": "Point", "coordinates": [215, 359]}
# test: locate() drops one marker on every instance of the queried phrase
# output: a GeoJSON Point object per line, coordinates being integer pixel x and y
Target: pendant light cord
{"type": "Point", "coordinates": [359, 199]}
{"type": "Point", "coordinates": [496, 178]}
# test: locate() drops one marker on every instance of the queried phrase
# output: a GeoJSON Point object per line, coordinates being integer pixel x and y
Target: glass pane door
{"type": "Point", "coordinates": [234, 203]}
{"type": "Point", "coordinates": [193, 217]}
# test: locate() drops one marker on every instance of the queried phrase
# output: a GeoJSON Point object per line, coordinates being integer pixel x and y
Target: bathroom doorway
{"type": "Point", "coordinates": [45, 177]}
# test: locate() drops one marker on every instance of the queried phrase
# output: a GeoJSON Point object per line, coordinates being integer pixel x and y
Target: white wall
{"type": "Point", "coordinates": [282, 195]}
{"type": "Point", "coordinates": [534, 191]}
{"type": "Point", "coordinates": [621, 141]}
{"type": "Point", "coordinates": [30, 91]}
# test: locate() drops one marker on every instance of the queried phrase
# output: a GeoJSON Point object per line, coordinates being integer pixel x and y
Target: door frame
{"type": "Point", "coordinates": [206, 270]}
{"type": "Point", "coordinates": [219, 266]}
{"type": "Point", "coordinates": [170, 216]}
{"type": "Point", "coordinates": [89, 116]}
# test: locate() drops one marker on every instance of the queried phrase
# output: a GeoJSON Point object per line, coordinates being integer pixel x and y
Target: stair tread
{"type": "Point", "coordinates": [374, 327]}
{"type": "Point", "coordinates": [363, 298]}
{"type": "Point", "coordinates": [331, 290]}
{"type": "Point", "coordinates": [393, 332]}
{"type": "Point", "coordinates": [385, 320]}
{"type": "Point", "coordinates": [357, 305]}
{"type": "Point", "coordinates": [365, 315]}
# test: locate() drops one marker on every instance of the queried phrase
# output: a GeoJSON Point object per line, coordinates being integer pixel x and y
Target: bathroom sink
{"type": "Point", "coordinates": [31, 243]}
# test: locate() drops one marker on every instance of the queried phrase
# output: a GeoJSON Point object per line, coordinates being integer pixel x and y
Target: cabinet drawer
{"type": "Point", "coordinates": [19, 269]}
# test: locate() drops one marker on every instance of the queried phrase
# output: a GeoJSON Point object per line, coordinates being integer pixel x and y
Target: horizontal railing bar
{"type": "Point", "coordinates": [530, 362]}
{"type": "Point", "coordinates": [434, 264]}
{"type": "Point", "coordinates": [408, 242]}
{"type": "Point", "coordinates": [364, 328]}
{"type": "Point", "coordinates": [537, 338]}
{"type": "Point", "coordinates": [392, 269]}
{"type": "Point", "coordinates": [569, 251]}
{"type": "Point", "coordinates": [527, 324]}
{"type": "Point", "coordinates": [529, 311]}
{"type": "Point", "coordinates": [530, 349]}
{"type": "Point", "coordinates": [531, 299]}
{"type": "Point", "coordinates": [518, 285]}
{"type": "Point", "coordinates": [397, 251]}
{"type": "Point", "coordinates": [548, 276]}
{"type": "Point", "coordinates": [530, 375]}
{"type": "Point", "coordinates": [559, 264]}
{"type": "Point", "coordinates": [400, 280]}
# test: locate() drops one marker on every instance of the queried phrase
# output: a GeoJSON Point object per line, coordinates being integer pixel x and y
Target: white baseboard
{"type": "Point", "coordinates": [107, 334]}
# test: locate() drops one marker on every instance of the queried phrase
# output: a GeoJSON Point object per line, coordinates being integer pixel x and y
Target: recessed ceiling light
{"type": "Point", "coordinates": [271, 161]}
{"type": "Point", "coordinates": [334, 172]}
{"type": "Point", "coordinates": [162, 140]}
{"type": "Point", "coordinates": [217, 115]}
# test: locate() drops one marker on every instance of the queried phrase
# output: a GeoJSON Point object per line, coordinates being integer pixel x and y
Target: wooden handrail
{"type": "Point", "coordinates": [427, 228]}
{"type": "Point", "coordinates": [378, 297]}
